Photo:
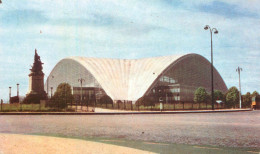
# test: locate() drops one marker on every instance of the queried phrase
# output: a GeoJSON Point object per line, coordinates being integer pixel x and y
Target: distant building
{"type": "Point", "coordinates": [172, 78]}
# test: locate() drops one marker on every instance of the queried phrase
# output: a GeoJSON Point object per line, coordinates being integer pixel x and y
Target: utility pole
{"type": "Point", "coordinates": [238, 70]}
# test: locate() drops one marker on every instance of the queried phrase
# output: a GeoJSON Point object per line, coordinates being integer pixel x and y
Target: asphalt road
{"type": "Point", "coordinates": [229, 129]}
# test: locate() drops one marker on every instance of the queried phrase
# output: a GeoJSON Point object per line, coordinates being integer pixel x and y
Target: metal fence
{"type": "Point", "coordinates": [73, 107]}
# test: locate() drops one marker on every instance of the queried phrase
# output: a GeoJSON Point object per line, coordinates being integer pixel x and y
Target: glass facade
{"type": "Point", "coordinates": [90, 95]}
{"type": "Point", "coordinates": [180, 80]}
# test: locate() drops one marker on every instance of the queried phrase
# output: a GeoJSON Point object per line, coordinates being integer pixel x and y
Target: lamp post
{"type": "Point", "coordinates": [212, 85]}
{"type": "Point", "coordinates": [1, 104]}
{"type": "Point", "coordinates": [81, 80]}
{"type": "Point", "coordinates": [238, 70]}
{"type": "Point", "coordinates": [18, 96]}
{"type": "Point", "coordinates": [51, 91]}
{"type": "Point", "coordinates": [10, 88]}
{"type": "Point", "coordinates": [18, 92]}
{"type": "Point", "coordinates": [48, 85]}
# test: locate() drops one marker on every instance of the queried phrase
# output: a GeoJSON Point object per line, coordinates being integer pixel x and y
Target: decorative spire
{"type": "Point", "coordinates": [35, 56]}
{"type": "Point", "coordinates": [37, 65]}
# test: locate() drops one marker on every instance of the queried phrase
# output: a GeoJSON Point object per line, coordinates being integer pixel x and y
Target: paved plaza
{"type": "Point", "coordinates": [229, 129]}
{"type": "Point", "coordinates": [33, 144]}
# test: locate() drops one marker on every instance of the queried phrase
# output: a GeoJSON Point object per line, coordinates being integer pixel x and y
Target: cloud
{"type": "Point", "coordinates": [22, 17]}
{"type": "Point", "coordinates": [226, 10]}
{"type": "Point", "coordinates": [93, 19]}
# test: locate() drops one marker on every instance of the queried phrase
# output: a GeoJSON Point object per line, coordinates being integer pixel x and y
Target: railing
{"type": "Point", "coordinates": [71, 107]}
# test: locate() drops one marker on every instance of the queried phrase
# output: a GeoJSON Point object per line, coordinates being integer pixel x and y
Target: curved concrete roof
{"type": "Point", "coordinates": [126, 79]}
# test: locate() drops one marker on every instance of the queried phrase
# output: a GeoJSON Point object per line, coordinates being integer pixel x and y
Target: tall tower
{"type": "Point", "coordinates": [36, 82]}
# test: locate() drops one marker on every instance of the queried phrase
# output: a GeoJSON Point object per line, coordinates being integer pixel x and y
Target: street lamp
{"type": "Point", "coordinates": [18, 92]}
{"type": "Point", "coordinates": [18, 96]}
{"type": "Point", "coordinates": [238, 70]}
{"type": "Point", "coordinates": [81, 80]}
{"type": "Point", "coordinates": [10, 95]}
{"type": "Point", "coordinates": [212, 86]}
{"type": "Point", "coordinates": [48, 85]}
{"type": "Point", "coordinates": [51, 91]}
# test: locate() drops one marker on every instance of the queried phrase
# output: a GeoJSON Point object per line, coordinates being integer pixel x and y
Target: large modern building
{"type": "Point", "coordinates": [174, 78]}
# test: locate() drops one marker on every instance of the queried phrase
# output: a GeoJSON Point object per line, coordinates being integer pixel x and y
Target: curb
{"type": "Point", "coordinates": [118, 113]}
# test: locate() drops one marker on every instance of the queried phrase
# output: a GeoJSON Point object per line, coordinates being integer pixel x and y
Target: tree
{"type": "Point", "coordinates": [62, 96]}
{"type": "Point", "coordinates": [140, 101]}
{"type": "Point", "coordinates": [146, 100]}
{"type": "Point", "coordinates": [106, 100]}
{"type": "Point", "coordinates": [200, 95]}
{"type": "Point", "coordinates": [255, 93]}
{"type": "Point", "coordinates": [232, 97]}
{"type": "Point", "coordinates": [218, 95]}
{"type": "Point", "coordinates": [34, 98]}
{"type": "Point", "coordinates": [247, 100]}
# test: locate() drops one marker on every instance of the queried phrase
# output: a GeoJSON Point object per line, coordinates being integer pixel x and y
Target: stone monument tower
{"type": "Point", "coordinates": [36, 82]}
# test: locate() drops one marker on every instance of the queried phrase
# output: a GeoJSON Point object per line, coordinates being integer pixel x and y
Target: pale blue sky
{"type": "Point", "coordinates": [128, 29]}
